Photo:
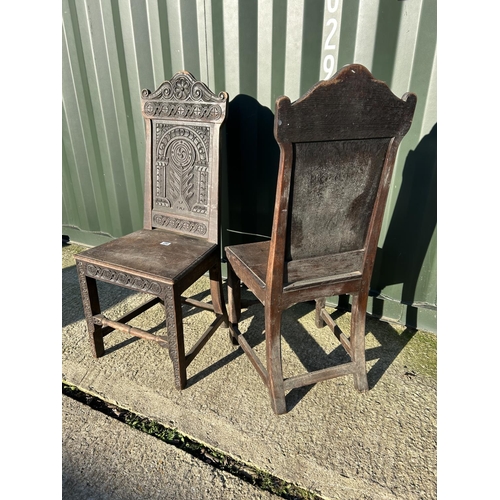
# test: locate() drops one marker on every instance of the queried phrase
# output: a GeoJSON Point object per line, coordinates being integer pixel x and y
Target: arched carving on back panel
{"type": "Point", "coordinates": [182, 168]}
{"type": "Point", "coordinates": [178, 190]}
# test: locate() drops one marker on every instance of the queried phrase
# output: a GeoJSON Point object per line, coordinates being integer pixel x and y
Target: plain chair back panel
{"type": "Point", "coordinates": [328, 213]}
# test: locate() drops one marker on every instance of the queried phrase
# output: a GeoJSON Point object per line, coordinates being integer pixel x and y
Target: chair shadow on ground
{"type": "Point", "coordinates": [310, 353]}
{"type": "Point", "coordinates": [313, 356]}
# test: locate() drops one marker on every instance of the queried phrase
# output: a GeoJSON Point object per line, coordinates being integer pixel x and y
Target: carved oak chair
{"type": "Point", "coordinates": [338, 145]}
{"type": "Point", "coordinates": [179, 240]}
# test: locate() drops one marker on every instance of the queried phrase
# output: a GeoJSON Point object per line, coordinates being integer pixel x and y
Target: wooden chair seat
{"type": "Point", "coordinates": [145, 253]}
{"type": "Point", "coordinates": [343, 270]}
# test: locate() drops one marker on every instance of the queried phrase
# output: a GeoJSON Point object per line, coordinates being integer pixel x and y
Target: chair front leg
{"type": "Point", "coordinates": [357, 339]}
{"type": "Point", "coordinates": [175, 332]}
{"type": "Point", "coordinates": [91, 307]}
{"type": "Point", "coordinates": [274, 360]}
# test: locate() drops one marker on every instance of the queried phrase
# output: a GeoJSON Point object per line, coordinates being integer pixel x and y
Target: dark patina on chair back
{"type": "Point", "coordinates": [183, 119]}
{"type": "Point", "coordinates": [336, 140]}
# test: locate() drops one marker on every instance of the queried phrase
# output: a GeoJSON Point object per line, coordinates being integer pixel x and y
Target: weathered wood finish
{"type": "Point", "coordinates": [315, 229]}
{"type": "Point", "coordinates": [338, 144]}
{"type": "Point", "coordinates": [179, 242]}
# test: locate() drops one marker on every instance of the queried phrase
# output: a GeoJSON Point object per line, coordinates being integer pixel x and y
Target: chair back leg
{"type": "Point", "coordinates": [274, 360]}
{"type": "Point", "coordinates": [358, 321]}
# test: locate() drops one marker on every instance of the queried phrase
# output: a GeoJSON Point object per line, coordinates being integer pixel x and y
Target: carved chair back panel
{"type": "Point", "coordinates": [183, 120]}
{"type": "Point", "coordinates": [333, 189]}
{"type": "Point", "coordinates": [182, 175]}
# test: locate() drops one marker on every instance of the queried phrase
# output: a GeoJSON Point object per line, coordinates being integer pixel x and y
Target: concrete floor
{"type": "Point", "coordinates": [334, 441]}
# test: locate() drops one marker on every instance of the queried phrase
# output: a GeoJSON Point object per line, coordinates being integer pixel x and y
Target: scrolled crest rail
{"type": "Point", "coordinates": [184, 98]}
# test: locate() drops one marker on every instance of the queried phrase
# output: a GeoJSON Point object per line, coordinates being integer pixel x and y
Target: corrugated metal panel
{"type": "Point", "coordinates": [256, 51]}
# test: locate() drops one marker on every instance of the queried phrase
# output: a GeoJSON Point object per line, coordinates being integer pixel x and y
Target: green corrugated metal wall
{"type": "Point", "coordinates": [256, 50]}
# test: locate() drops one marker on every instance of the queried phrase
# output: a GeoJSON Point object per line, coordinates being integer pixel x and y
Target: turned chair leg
{"type": "Point", "coordinates": [175, 332]}
{"type": "Point", "coordinates": [274, 360]}
{"type": "Point", "coordinates": [357, 339]}
{"type": "Point", "coordinates": [91, 307]}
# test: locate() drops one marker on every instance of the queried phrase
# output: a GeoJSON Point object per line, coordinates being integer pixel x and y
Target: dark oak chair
{"type": "Point", "coordinates": [179, 241]}
{"type": "Point", "coordinates": [338, 145]}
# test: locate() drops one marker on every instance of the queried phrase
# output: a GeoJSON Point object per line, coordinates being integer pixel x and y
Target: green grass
{"type": "Point", "coordinates": [421, 353]}
{"type": "Point", "coordinates": [211, 456]}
